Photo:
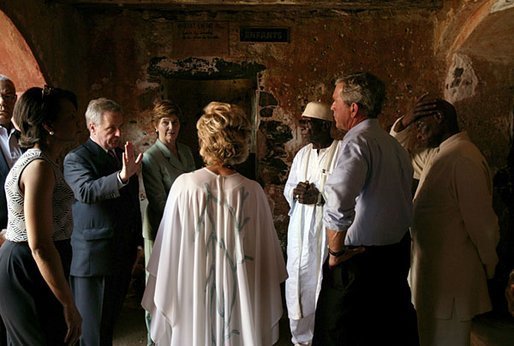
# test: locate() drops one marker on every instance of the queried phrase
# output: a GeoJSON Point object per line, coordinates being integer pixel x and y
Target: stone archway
{"type": "Point", "coordinates": [475, 43]}
{"type": "Point", "coordinates": [487, 32]}
{"type": "Point", "coordinates": [477, 46]}
{"type": "Point", "coordinates": [17, 61]}
{"type": "Point", "coordinates": [201, 79]}
{"type": "Point", "coordinates": [484, 35]}
{"type": "Point", "coordinates": [193, 82]}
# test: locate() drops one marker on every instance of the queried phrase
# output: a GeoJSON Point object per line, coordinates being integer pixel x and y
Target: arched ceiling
{"type": "Point", "coordinates": [483, 30]}
{"type": "Point", "coordinates": [17, 61]}
{"type": "Point", "coordinates": [493, 38]}
{"type": "Point", "coordinates": [263, 5]}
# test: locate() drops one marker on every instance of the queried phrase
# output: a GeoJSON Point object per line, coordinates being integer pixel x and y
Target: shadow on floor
{"type": "Point", "coordinates": [492, 329]}
{"type": "Point", "coordinates": [131, 329]}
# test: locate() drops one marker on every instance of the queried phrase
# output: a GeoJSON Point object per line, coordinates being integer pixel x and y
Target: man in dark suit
{"type": "Point", "coordinates": [9, 148]}
{"type": "Point", "coordinates": [9, 153]}
{"type": "Point", "coordinates": [106, 220]}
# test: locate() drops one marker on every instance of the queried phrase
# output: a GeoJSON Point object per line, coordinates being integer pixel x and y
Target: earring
{"type": "Point", "coordinates": [51, 133]}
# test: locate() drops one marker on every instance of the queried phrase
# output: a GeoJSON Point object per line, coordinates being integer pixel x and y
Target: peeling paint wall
{"type": "Point", "coordinates": [482, 94]}
{"type": "Point", "coordinates": [396, 47]}
{"type": "Point", "coordinates": [487, 114]}
{"type": "Point", "coordinates": [461, 80]}
{"type": "Point", "coordinates": [58, 39]}
{"type": "Point", "coordinates": [474, 40]}
{"type": "Point", "coordinates": [130, 55]}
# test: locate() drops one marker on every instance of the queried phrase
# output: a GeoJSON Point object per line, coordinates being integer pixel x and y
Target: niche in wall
{"type": "Point", "coordinates": [193, 83]}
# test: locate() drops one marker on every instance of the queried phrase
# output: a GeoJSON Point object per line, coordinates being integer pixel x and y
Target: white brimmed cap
{"type": "Point", "coordinates": [318, 110]}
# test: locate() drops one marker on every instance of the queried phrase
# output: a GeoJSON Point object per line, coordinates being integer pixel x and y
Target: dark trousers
{"type": "Point", "coordinates": [99, 300]}
{"type": "Point", "coordinates": [32, 314]}
{"type": "Point", "coordinates": [3, 333]}
{"type": "Point", "coordinates": [366, 300]}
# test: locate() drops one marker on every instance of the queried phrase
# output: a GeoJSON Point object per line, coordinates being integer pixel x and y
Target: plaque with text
{"type": "Point", "coordinates": [200, 38]}
{"type": "Point", "coordinates": [253, 34]}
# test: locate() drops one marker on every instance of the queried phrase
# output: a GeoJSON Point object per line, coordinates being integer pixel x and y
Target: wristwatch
{"type": "Point", "coordinates": [337, 253]}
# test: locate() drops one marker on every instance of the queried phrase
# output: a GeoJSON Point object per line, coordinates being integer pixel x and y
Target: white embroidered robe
{"type": "Point", "coordinates": [306, 238]}
{"type": "Point", "coordinates": [216, 266]}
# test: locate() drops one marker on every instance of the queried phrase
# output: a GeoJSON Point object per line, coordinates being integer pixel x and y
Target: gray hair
{"type": "Point", "coordinates": [4, 78]}
{"type": "Point", "coordinates": [364, 89]}
{"type": "Point", "coordinates": [97, 107]}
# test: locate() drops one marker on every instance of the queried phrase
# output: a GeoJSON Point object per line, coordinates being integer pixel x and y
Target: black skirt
{"type": "Point", "coordinates": [30, 311]}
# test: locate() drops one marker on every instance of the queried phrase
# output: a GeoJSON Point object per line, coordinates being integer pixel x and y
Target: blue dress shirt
{"type": "Point", "coordinates": [369, 192]}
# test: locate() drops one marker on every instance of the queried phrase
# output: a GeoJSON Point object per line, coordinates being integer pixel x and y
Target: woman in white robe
{"type": "Point", "coordinates": [217, 265]}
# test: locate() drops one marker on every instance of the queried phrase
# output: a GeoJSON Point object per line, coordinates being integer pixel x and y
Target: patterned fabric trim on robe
{"type": "Point", "coordinates": [216, 266]}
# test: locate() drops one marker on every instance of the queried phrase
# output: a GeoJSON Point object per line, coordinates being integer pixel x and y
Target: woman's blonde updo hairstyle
{"type": "Point", "coordinates": [223, 134]}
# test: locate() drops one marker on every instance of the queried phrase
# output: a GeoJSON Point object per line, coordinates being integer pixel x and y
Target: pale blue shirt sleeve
{"type": "Point", "coordinates": [345, 184]}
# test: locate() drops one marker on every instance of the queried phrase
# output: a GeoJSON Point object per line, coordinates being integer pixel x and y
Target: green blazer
{"type": "Point", "coordinates": [160, 169]}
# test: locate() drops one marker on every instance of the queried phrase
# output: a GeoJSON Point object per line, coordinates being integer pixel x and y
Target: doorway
{"type": "Point", "coordinates": [193, 95]}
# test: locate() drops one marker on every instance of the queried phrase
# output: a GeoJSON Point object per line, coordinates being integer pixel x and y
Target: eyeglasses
{"type": "Point", "coordinates": [47, 91]}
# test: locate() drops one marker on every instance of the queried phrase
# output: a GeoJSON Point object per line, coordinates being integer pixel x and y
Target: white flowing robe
{"type": "Point", "coordinates": [306, 238]}
{"type": "Point", "coordinates": [216, 266]}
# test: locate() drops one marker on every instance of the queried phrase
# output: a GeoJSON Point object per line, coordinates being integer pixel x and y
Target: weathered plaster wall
{"type": "Point", "coordinates": [395, 46]}
{"type": "Point", "coordinates": [128, 54]}
{"type": "Point", "coordinates": [474, 40]}
{"type": "Point", "coordinates": [110, 53]}
{"type": "Point", "coordinates": [18, 61]}
{"type": "Point", "coordinates": [58, 41]}
{"type": "Point", "coordinates": [483, 99]}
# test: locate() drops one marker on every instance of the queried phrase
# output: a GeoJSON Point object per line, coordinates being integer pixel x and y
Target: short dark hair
{"type": "Point", "coordinates": [165, 108]}
{"type": "Point", "coordinates": [37, 107]}
{"type": "Point", "coordinates": [364, 89]}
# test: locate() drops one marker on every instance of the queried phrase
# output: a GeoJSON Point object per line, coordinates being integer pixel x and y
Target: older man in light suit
{"type": "Point", "coordinates": [455, 230]}
{"type": "Point", "coordinates": [106, 221]}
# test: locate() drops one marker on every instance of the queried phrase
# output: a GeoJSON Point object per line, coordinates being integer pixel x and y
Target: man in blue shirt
{"type": "Point", "coordinates": [365, 297]}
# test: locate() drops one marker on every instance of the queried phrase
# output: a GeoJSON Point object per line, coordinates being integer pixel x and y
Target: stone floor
{"type": "Point", "coordinates": [488, 330]}
{"type": "Point", "coordinates": [131, 330]}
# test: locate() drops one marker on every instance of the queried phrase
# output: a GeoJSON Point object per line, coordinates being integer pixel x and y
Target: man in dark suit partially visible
{"type": "Point", "coordinates": [106, 220]}
{"type": "Point", "coordinates": [9, 148]}
{"type": "Point", "coordinates": [9, 153]}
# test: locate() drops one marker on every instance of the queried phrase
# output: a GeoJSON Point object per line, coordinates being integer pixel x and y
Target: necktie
{"type": "Point", "coordinates": [114, 158]}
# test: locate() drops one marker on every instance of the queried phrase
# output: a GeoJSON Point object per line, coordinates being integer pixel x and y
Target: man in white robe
{"type": "Point", "coordinates": [306, 243]}
{"type": "Point", "coordinates": [216, 266]}
{"type": "Point", "coordinates": [455, 230]}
